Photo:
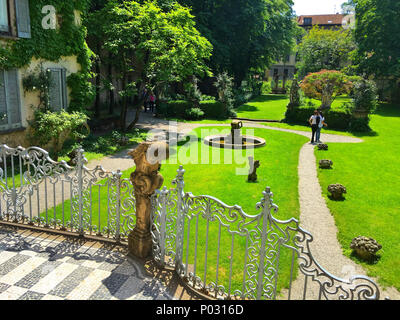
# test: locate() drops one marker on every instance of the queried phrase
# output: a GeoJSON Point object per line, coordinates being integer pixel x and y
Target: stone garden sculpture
{"type": "Point", "coordinates": [254, 165]}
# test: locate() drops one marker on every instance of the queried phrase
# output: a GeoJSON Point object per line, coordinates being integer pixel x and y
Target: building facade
{"type": "Point", "coordinates": [24, 28]}
{"type": "Point", "coordinates": [285, 70]}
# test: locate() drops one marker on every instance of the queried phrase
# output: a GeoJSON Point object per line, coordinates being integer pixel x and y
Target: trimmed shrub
{"type": "Point", "coordinates": [213, 109]}
{"type": "Point", "coordinates": [181, 109]}
{"type": "Point", "coordinates": [266, 88]}
{"type": "Point", "coordinates": [194, 114]}
{"type": "Point", "coordinates": [337, 119]}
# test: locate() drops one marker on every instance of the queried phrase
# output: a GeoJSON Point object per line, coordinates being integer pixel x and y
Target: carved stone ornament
{"type": "Point", "coordinates": [146, 180]}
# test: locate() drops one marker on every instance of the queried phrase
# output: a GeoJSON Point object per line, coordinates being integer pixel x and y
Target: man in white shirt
{"type": "Point", "coordinates": [321, 123]}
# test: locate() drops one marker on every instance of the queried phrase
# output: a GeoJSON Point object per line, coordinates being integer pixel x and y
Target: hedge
{"type": "Point", "coordinates": [178, 108]}
{"type": "Point", "coordinates": [336, 119]}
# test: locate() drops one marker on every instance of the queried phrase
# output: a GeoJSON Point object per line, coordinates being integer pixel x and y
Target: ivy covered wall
{"type": "Point", "coordinates": [68, 39]}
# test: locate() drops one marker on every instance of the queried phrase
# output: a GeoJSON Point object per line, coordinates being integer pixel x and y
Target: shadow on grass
{"type": "Point", "coordinates": [335, 199]}
{"type": "Point", "coordinates": [388, 110]}
{"type": "Point", "coordinates": [373, 260]}
{"type": "Point", "coordinates": [247, 107]}
{"type": "Point", "coordinates": [269, 97]}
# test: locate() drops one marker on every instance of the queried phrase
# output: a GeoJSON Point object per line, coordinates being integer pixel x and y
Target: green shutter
{"type": "Point", "coordinates": [3, 103]}
{"type": "Point", "coordinates": [10, 103]}
{"type": "Point", "coordinates": [4, 25]}
{"type": "Point", "coordinates": [23, 18]}
{"type": "Point", "coordinates": [56, 103]}
{"type": "Point", "coordinates": [13, 99]}
{"type": "Point", "coordinates": [64, 88]}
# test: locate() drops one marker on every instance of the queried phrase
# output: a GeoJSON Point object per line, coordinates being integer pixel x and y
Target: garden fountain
{"type": "Point", "coordinates": [235, 140]}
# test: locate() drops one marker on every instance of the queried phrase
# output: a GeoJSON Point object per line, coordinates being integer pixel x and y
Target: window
{"type": "Point", "coordinates": [15, 22]}
{"type": "Point", "coordinates": [307, 21]}
{"type": "Point", "coordinates": [4, 21]}
{"type": "Point", "coordinates": [23, 18]}
{"type": "Point", "coordinates": [10, 106]}
{"type": "Point", "coordinates": [58, 89]}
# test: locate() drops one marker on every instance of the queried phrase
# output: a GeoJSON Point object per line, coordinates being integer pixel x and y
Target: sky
{"type": "Point", "coordinates": [308, 7]}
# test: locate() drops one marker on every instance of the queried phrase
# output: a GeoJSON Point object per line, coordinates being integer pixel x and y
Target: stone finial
{"type": "Point", "coordinates": [325, 164]}
{"type": "Point", "coordinates": [337, 191]}
{"type": "Point", "coordinates": [365, 247]}
{"type": "Point", "coordinates": [146, 179]}
{"type": "Point", "coordinates": [322, 146]}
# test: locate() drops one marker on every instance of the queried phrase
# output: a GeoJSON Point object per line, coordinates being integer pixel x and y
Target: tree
{"type": "Point", "coordinates": [326, 85]}
{"type": "Point", "coordinates": [348, 7]}
{"type": "Point", "coordinates": [377, 35]}
{"type": "Point", "coordinates": [152, 47]}
{"type": "Point", "coordinates": [325, 49]}
{"type": "Point", "coordinates": [247, 35]}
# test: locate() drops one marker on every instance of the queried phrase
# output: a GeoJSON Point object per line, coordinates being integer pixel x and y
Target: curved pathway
{"type": "Point", "coordinates": [315, 216]}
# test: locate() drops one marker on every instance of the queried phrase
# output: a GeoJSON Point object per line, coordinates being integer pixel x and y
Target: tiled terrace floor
{"type": "Point", "coordinates": [40, 266]}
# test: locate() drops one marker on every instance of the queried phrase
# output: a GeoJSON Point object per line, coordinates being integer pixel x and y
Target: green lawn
{"type": "Point", "coordinates": [266, 107]}
{"type": "Point", "coordinates": [273, 107]}
{"type": "Point", "coordinates": [278, 170]}
{"type": "Point", "coordinates": [370, 171]}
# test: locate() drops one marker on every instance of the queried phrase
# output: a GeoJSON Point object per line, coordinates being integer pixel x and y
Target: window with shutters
{"type": "Point", "coordinates": [10, 103]}
{"type": "Point", "coordinates": [15, 18]}
{"type": "Point", "coordinates": [58, 89]}
{"type": "Point", "coordinates": [4, 17]}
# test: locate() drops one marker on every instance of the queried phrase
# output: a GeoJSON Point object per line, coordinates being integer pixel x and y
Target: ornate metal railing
{"type": "Point", "coordinates": [38, 191]}
{"type": "Point", "coordinates": [222, 252]}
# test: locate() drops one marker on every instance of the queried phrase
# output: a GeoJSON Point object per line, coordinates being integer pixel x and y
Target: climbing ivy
{"type": "Point", "coordinates": [68, 39]}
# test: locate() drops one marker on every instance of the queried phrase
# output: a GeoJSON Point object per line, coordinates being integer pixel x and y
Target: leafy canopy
{"type": "Point", "coordinates": [247, 35]}
{"type": "Point", "coordinates": [378, 37]}
{"type": "Point", "coordinates": [325, 49]}
{"type": "Point", "coordinates": [157, 46]}
{"type": "Point", "coordinates": [326, 85]}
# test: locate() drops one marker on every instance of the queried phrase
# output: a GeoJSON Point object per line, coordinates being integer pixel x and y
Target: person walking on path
{"type": "Point", "coordinates": [321, 123]}
{"type": "Point", "coordinates": [152, 100]}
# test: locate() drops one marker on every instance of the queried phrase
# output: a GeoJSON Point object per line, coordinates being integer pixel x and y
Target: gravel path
{"type": "Point", "coordinates": [315, 216]}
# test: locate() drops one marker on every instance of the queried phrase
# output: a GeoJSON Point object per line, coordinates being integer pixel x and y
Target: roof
{"type": "Point", "coordinates": [322, 19]}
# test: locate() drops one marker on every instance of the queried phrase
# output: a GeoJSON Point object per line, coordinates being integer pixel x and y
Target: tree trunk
{"type": "Point", "coordinates": [97, 102]}
{"type": "Point", "coordinates": [124, 106]}
{"type": "Point", "coordinates": [111, 91]}
{"type": "Point", "coordinates": [138, 108]}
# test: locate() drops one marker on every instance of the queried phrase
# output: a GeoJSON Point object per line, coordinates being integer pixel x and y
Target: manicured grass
{"type": "Point", "coordinates": [267, 107]}
{"type": "Point", "coordinates": [278, 170]}
{"type": "Point", "coordinates": [370, 171]}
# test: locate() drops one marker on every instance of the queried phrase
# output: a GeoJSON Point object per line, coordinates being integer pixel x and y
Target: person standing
{"type": "Point", "coordinates": [314, 124]}
{"type": "Point", "coordinates": [321, 123]}
{"type": "Point", "coordinates": [152, 99]}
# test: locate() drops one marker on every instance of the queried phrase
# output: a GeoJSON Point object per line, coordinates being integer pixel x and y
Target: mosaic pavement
{"type": "Point", "coordinates": [57, 268]}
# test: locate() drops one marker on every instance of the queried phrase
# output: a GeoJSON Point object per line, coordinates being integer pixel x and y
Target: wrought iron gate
{"type": "Point", "coordinates": [222, 252]}
{"type": "Point", "coordinates": [36, 190]}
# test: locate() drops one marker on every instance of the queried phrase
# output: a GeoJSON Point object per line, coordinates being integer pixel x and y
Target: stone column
{"type": "Point", "coordinates": [146, 180]}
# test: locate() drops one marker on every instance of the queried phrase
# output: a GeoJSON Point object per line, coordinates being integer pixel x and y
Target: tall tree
{"type": "Point", "coordinates": [246, 34]}
{"type": "Point", "coordinates": [377, 34]}
{"type": "Point", "coordinates": [325, 49]}
{"type": "Point", "coordinates": [152, 47]}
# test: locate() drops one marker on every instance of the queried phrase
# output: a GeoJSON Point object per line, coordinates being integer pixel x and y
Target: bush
{"type": "Point", "coordinates": [266, 88]}
{"type": "Point", "coordinates": [365, 95]}
{"type": "Point", "coordinates": [184, 110]}
{"type": "Point", "coordinates": [336, 119]}
{"type": "Point", "coordinates": [55, 128]}
{"type": "Point", "coordinates": [194, 114]}
{"type": "Point", "coordinates": [213, 109]}
{"type": "Point", "coordinates": [359, 125]}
